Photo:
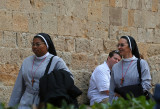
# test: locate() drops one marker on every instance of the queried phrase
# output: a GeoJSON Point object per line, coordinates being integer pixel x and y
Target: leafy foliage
{"type": "Point", "coordinates": [131, 103]}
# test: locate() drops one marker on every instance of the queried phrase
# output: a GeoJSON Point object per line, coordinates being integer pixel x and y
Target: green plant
{"type": "Point", "coordinates": [131, 103]}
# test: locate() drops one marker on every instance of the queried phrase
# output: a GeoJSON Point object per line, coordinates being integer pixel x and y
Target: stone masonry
{"type": "Point", "coordinates": [83, 31]}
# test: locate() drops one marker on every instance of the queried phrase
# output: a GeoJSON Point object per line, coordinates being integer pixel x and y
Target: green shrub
{"type": "Point", "coordinates": [131, 103]}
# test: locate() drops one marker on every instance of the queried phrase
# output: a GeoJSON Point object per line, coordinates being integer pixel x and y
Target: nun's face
{"type": "Point", "coordinates": [39, 47]}
{"type": "Point", "coordinates": [123, 48]}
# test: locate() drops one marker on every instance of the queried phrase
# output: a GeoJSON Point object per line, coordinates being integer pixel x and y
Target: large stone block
{"type": "Point", "coordinates": [138, 18]}
{"type": "Point", "coordinates": [66, 56]}
{"type": "Point", "coordinates": [70, 44]}
{"type": "Point", "coordinates": [115, 13]}
{"type": "Point", "coordinates": [149, 19]}
{"type": "Point", "coordinates": [24, 52]}
{"type": "Point", "coordinates": [116, 3]}
{"type": "Point", "coordinates": [147, 5]}
{"type": "Point", "coordinates": [131, 18]}
{"type": "Point", "coordinates": [157, 36]}
{"type": "Point", "coordinates": [105, 14]}
{"type": "Point", "coordinates": [134, 4]}
{"type": "Point", "coordinates": [59, 43]}
{"type": "Point", "coordinates": [105, 3]}
{"type": "Point", "coordinates": [49, 23]}
{"type": "Point", "coordinates": [27, 5]}
{"type": "Point", "coordinates": [9, 39]}
{"type": "Point", "coordinates": [81, 9]}
{"type": "Point", "coordinates": [91, 62]}
{"type": "Point", "coordinates": [2, 4]}
{"type": "Point", "coordinates": [97, 30]}
{"type": "Point", "coordinates": [153, 49]}
{"type": "Point", "coordinates": [68, 7]}
{"type": "Point", "coordinates": [110, 45]}
{"type": "Point", "coordinates": [82, 45]}
{"type": "Point", "coordinates": [6, 20]}
{"type": "Point", "coordinates": [51, 8]}
{"type": "Point", "coordinates": [150, 35]}
{"type": "Point", "coordinates": [96, 46]}
{"type": "Point", "coordinates": [155, 5]}
{"type": "Point", "coordinates": [117, 31]}
{"type": "Point", "coordinates": [5, 55]}
{"type": "Point", "coordinates": [13, 4]}
{"type": "Point", "coordinates": [82, 79]}
{"type": "Point", "coordinates": [154, 64]}
{"type": "Point", "coordinates": [7, 79]}
{"type": "Point", "coordinates": [20, 21]}
{"type": "Point", "coordinates": [79, 61]}
{"type": "Point", "coordinates": [95, 10]}
{"type": "Point", "coordinates": [35, 22]}
{"type": "Point", "coordinates": [63, 43]}
{"type": "Point", "coordinates": [101, 58]}
{"type": "Point", "coordinates": [70, 26]}
{"type": "Point", "coordinates": [24, 40]}
{"type": "Point", "coordinates": [82, 82]}
{"type": "Point", "coordinates": [125, 17]}
{"type": "Point", "coordinates": [5, 92]}
{"type": "Point", "coordinates": [141, 34]}
{"type": "Point", "coordinates": [143, 48]}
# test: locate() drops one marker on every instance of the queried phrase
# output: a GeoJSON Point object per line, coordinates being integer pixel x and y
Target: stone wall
{"type": "Point", "coordinates": [83, 31]}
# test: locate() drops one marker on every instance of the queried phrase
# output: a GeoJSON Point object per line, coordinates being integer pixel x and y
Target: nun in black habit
{"type": "Point", "coordinates": [26, 88]}
{"type": "Point", "coordinates": [125, 72]}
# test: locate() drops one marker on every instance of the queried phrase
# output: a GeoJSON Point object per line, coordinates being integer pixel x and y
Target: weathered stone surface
{"type": "Point", "coordinates": [94, 10]}
{"type": "Point", "coordinates": [70, 26]}
{"type": "Point", "coordinates": [115, 13]}
{"type": "Point", "coordinates": [96, 30]}
{"type": "Point", "coordinates": [82, 78]}
{"type": "Point", "coordinates": [105, 14]}
{"type": "Point", "coordinates": [143, 48]}
{"type": "Point", "coordinates": [138, 19]}
{"type": "Point", "coordinates": [155, 5]}
{"type": "Point", "coordinates": [108, 47]}
{"type": "Point", "coordinates": [147, 5]}
{"type": "Point", "coordinates": [134, 4]}
{"type": "Point", "coordinates": [82, 45]}
{"type": "Point", "coordinates": [5, 92]}
{"type": "Point", "coordinates": [96, 46]}
{"type": "Point", "coordinates": [13, 4]}
{"type": "Point", "coordinates": [66, 56]}
{"type": "Point", "coordinates": [79, 61]}
{"type": "Point", "coordinates": [20, 21]}
{"type": "Point", "coordinates": [153, 49]}
{"type": "Point", "coordinates": [6, 20]}
{"type": "Point", "coordinates": [81, 9]}
{"type": "Point", "coordinates": [24, 40]}
{"type": "Point", "coordinates": [35, 22]}
{"type": "Point", "coordinates": [154, 63]}
{"type": "Point", "coordinates": [116, 3]}
{"type": "Point", "coordinates": [83, 32]}
{"type": "Point", "coordinates": [27, 5]}
{"type": "Point", "coordinates": [130, 17]}
{"type": "Point", "coordinates": [125, 19]}
{"type": "Point", "coordinates": [49, 23]}
{"type": "Point", "coordinates": [2, 4]}
{"type": "Point", "coordinates": [9, 39]}
{"type": "Point", "coordinates": [149, 19]}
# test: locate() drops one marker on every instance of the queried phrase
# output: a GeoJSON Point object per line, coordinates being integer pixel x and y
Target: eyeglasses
{"type": "Point", "coordinates": [37, 44]}
{"type": "Point", "coordinates": [116, 51]}
{"type": "Point", "coordinates": [120, 45]}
